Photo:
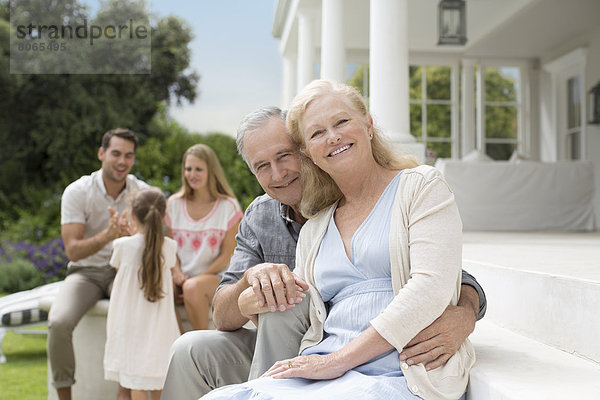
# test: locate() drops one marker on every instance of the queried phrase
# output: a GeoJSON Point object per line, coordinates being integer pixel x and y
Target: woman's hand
{"type": "Point", "coordinates": [178, 276]}
{"type": "Point", "coordinates": [310, 367]}
{"type": "Point", "coordinates": [368, 345]}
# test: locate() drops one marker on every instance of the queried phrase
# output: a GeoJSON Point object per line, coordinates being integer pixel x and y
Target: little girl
{"type": "Point", "coordinates": [141, 322]}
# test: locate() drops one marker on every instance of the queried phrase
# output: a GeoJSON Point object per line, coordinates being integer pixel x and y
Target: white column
{"type": "Point", "coordinates": [468, 108]}
{"type": "Point", "coordinates": [289, 81]}
{"type": "Point", "coordinates": [388, 75]}
{"type": "Point", "coordinates": [306, 49]}
{"type": "Point", "coordinates": [333, 51]}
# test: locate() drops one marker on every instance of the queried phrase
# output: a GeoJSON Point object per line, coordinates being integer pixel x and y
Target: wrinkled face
{"type": "Point", "coordinates": [274, 160]}
{"type": "Point", "coordinates": [117, 159]}
{"type": "Point", "coordinates": [336, 134]}
{"type": "Point", "coordinates": [195, 172]}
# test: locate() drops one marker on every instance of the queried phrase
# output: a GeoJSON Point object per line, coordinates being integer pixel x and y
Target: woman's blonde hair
{"type": "Point", "coordinates": [217, 182]}
{"type": "Point", "coordinates": [148, 206]}
{"type": "Point", "coordinates": [320, 190]}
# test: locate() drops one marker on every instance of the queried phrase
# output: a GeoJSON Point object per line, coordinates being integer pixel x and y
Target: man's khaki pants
{"type": "Point", "coordinates": [204, 360]}
{"type": "Point", "coordinates": [81, 289]}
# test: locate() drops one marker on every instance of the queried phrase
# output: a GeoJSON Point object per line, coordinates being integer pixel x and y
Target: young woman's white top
{"type": "Point", "coordinates": [199, 241]}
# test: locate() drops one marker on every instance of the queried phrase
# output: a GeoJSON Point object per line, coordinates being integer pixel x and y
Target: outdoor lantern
{"type": "Point", "coordinates": [452, 22]}
{"type": "Point", "coordinates": [594, 105]}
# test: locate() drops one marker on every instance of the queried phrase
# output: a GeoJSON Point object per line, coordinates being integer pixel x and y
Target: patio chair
{"type": "Point", "coordinates": [21, 311]}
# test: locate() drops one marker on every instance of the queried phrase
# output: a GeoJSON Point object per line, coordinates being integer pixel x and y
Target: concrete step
{"type": "Point", "coordinates": [513, 367]}
{"type": "Point", "coordinates": [544, 286]}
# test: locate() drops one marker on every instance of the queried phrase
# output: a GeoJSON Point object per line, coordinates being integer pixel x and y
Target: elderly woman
{"type": "Point", "coordinates": [381, 253]}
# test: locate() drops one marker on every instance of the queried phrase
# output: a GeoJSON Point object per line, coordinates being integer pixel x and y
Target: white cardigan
{"type": "Point", "coordinates": [425, 256]}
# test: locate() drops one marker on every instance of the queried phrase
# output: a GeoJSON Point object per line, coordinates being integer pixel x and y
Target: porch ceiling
{"type": "Point", "coordinates": [538, 29]}
{"type": "Point", "coordinates": [499, 29]}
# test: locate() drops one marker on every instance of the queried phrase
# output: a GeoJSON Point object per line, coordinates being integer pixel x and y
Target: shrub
{"type": "Point", "coordinates": [19, 274]}
{"type": "Point", "coordinates": [47, 259]}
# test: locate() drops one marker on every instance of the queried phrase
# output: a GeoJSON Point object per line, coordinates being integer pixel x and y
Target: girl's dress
{"type": "Point", "coordinates": [139, 333]}
{"type": "Point", "coordinates": [200, 240]}
{"type": "Point", "coordinates": [355, 291]}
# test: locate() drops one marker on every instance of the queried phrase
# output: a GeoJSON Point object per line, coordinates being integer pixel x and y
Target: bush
{"type": "Point", "coordinates": [37, 221]}
{"type": "Point", "coordinates": [48, 260]}
{"type": "Point", "coordinates": [18, 275]}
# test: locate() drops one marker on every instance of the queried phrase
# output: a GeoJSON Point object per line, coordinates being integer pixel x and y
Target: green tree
{"type": "Point", "coordinates": [51, 125]}
{"type": "Point", "coordinates": [358, 79]}
{"type": "Point", "coordinates": [500, 117]}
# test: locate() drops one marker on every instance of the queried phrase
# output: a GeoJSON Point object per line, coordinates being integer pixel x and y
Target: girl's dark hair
{"type": "Point", "coordinates": [149, 206]}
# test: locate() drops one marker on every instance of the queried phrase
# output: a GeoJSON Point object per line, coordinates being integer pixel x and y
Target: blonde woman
{"type": "Point", "coordinates": [203, 218]}
{"type": "Point", "coordinates": [382, 248]}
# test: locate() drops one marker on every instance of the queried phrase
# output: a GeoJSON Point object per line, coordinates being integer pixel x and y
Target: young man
{"type": "Point", "coordinates": [91, 218]}
{"type": "Point", "coordinates": [263, 260]}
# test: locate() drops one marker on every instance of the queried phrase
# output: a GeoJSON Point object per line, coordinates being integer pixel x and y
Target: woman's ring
{"type": "Point", "coordinates": [290, 365]}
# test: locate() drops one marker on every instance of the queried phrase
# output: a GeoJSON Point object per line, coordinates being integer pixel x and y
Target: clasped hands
{"type": "Point", "coordinates": [119, 225]}
{"type": "Point", "coordinates": [271, 287]}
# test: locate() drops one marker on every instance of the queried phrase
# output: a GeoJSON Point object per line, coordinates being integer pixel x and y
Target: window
{"type": "Point", "coordinates": [573, 134]}
{"type": "Point", "coordinates": [566, 110]}
{"type": "Point", "coordinates": [433, 109]}
{"type": "Point", "coordinates": [501, 110]}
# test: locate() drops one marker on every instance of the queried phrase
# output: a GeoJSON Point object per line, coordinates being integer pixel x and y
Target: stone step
{"type": "Point", "coordinates": [544, 286]}
{"type": "Point", "coordinates": [514, 367]}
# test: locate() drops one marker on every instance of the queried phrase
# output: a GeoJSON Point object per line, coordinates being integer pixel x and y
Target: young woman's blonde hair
{"type": "Point", "coordinates": [320, 190]}
{"type": "Point", "coordinates": [217, 182]}
{"type": "Point", "coordinates": [148, 206]}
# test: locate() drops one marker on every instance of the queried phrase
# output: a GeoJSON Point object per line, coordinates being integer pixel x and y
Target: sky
{"type": "Point", "coordinates": [236, 57]}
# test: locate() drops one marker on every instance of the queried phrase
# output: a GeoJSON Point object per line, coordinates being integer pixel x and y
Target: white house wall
{"type": "Point", "coordinates": [593, 131]}
{"type": "Point", "coordinates": [549, 148]}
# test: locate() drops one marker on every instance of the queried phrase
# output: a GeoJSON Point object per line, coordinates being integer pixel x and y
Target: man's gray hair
{"type": "Point", "coordinates": [253, 121]}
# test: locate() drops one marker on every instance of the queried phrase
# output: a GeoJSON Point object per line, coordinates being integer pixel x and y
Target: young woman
{"type": "Point", "coordinates": [203, 218]}
{"type": "Point", "coordinates": [141, 325]}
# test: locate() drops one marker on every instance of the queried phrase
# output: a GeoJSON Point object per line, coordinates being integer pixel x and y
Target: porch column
{"type": "Point", "coordinates": [468, 108]}
{"type": "Point", "coordinates": [388, 75]}
{"type": "Point", "coordinates": [333, 51]}
{"type": "Point", "coordinates": [306, 49]}
{"type": "Point", "coordinates": [289, 81]}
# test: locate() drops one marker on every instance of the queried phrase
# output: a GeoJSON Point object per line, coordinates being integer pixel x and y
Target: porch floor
{"type": "Point", "coordinates": [574, 255]}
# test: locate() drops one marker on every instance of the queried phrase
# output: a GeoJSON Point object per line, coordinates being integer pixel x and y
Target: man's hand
{"type": "Point", "coordinates": [434, 345]}
{"type": "Point", "coordinates": [112, 231]}
{"type": "Point", "coordinates": [78, 248]}
{"type": "Point", "coordinates": [126, 228]}
{"type": "Point", "coordinates": [274, 286]}
{"type": "Point", "coordinates": [249, 307]}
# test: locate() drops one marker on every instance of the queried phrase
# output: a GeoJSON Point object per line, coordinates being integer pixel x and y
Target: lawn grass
{"type": "Point", "coordinates": [23, 376]}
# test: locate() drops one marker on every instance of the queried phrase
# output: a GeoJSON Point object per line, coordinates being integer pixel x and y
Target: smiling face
{"type": "Point", "coordinates": [336, 135]}
{"type": "Point", "coordinates": [274, 160]}
{"type": "Point", "coordinates": [195, 172]}
{"type": "Point", "coordinates": [117, 159]}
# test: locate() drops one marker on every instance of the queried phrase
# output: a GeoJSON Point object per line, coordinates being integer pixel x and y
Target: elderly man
{"type": "Point", "coordinates": [263, 260]}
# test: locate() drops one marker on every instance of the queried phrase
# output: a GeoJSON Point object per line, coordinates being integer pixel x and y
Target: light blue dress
{"type": "Point", "coordinates": [355, 292]}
